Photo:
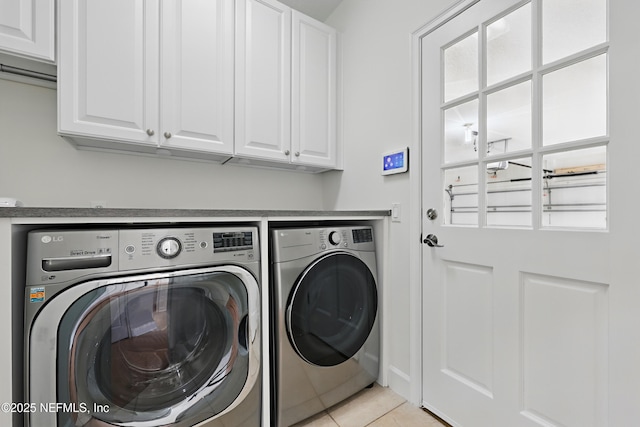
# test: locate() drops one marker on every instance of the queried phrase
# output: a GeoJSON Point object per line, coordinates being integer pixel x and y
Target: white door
{"type": "Point", "coordinates": [313, 92]}
{"type": "Point", "coordinates": [531, 300]}
{"type": "Point", "coordinates": [197, 75]}
{"type": "Point", "coordinates": [263, 85]}
{"type": "Point", "coordinates": [108, 70]}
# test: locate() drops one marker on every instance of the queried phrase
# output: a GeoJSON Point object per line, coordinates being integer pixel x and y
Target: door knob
{"type": "Point", "coordinates": [432, 241]}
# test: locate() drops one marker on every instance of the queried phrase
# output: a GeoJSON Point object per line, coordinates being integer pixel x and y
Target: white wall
{"type": "Point", "coordinates": [42, 169]}
{"type": "Point", "coordinates": [375, 38]}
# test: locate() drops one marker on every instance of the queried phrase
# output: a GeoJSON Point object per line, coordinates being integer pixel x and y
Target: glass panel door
{"type": "Point", "coordinates": [527, 295]}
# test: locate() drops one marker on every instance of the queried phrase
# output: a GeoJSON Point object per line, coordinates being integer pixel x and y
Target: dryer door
{"type": "Point", "coordinates": [159, 351]}
{"type": "Point", "coordinates": [332, 309]}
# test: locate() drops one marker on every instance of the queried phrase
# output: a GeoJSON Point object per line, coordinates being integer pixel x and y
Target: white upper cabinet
{"type": "Point", "coordinates": [197, 75]}
{"type": "Point", "coordinates": [108, 70]}
{"type": "Point", "coordinates": [142, 75]}
{"type": "Point", "coordinates": [263, 85]}
{"type": "Point", "coordinates": [313, 93]}
{"type": "Point", "coordinates": [285, 88]}
{"type": "Point", "coordinates": [27, 28]}
{"type": "Point", "coordinates": [249, 80]}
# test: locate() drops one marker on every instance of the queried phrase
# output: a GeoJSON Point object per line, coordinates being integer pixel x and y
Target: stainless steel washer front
{"type": "Point", "coordinates": [130, 328]}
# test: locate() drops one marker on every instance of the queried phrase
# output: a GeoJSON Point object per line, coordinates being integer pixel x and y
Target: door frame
{"type": "Point", "coordinates": [415, 190]}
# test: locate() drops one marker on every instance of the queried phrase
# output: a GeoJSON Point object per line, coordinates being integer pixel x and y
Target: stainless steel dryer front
{"type": "Point", "coordinates": [325, 304]}
{"type": "Point", "coordinates": [143, 327]}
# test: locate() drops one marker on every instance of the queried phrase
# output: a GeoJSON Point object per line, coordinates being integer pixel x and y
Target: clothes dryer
{"type": "Point", "coordinates": [143, 327]}
{"type": "Point", "coordinates": [324, 306]}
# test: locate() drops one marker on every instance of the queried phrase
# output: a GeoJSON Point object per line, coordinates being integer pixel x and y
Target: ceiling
{"type": "Point", "coordinates": [318, 9]}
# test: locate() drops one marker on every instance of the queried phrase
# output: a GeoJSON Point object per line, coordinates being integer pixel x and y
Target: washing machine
{"type": "Point", "coordinates": [143, 327]}
{"type": "Point", "coordinates": [324, 301]}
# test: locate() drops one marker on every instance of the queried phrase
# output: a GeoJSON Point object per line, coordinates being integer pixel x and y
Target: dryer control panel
{"type": "Point", "coordinates": [294, 243]}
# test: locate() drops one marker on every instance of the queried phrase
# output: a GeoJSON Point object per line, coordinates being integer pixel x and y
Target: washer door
{"type": "Point", "coordinates": [165, 351]}
{"type": "Point", "coordinates": [331, 309]}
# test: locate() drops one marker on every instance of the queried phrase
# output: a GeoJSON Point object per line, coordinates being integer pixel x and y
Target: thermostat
{"type": "Point", "coordinates": [395, 161]}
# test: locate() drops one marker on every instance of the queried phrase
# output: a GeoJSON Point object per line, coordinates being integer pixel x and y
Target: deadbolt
{"type": "Point", "coordinates": [432, 214]}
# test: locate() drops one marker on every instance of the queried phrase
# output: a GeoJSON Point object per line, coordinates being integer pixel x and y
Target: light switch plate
{"type": "Point", "coordinates": [396, 213]}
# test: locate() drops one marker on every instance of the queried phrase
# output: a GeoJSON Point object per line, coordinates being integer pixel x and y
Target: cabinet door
{"type": "Point", "coordinates": [108, 69]}
{"type": "Point", "coordinates": [263, 104]}
{"type": "Point", "coordinates": [313, 131]}
{"type": "Point", "coordinates": [27, 28]}
{"type": "Point", "coordinates": [197, 75]}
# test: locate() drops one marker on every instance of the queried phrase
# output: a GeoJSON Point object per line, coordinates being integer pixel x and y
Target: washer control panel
{"type": "Point", "coordinates": [58, 255]}
{"type": "Point", "coordinates": [187, 246]}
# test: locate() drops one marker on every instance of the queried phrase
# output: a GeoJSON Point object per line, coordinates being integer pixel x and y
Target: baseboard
{"type": "Point", "coordinates": [399, 382]}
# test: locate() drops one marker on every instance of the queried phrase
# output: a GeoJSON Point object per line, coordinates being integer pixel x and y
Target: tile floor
{"type": "Point", "coordinates": [374, 407]}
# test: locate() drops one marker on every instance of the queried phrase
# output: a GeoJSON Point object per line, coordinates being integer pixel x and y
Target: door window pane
{"type": "Point", "coordinates": [509, 45]}
{"type": "Point", "coordinates": [461, 196]}
{"type": "Point", "coordinates": [509, 193]}
{"type": "Point", "coordinates": [574, 104]}
{"type": "Point", "coordinates": [575, 189]}
{"type": "Point", "coordinates": [461, 68]}
{"type": "Point", "coordinates": [569, 26]}
{"type": "Point", "coordinates": [509, 119]}
{"type": "Point", "coordinates": [461, 132]}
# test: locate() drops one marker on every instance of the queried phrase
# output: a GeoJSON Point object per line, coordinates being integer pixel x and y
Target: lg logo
{"type": "Point", "coordinates": [49, 239]}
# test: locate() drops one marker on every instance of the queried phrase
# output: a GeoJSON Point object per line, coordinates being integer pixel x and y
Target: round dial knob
{"type": "Point", "coordinates": [335, 238]}
{"type": "Point", "coordinates": [169, 247]}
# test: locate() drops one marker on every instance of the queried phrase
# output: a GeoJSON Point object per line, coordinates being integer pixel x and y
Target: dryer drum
{"type": "Point", "coordinates": [332, 309]}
